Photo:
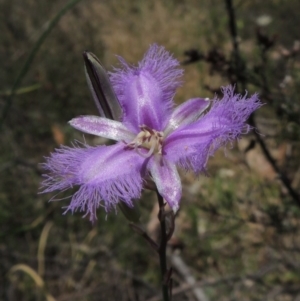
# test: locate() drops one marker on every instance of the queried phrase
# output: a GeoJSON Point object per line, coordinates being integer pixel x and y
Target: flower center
{"type": "Point", "coordinates": [149, 139]}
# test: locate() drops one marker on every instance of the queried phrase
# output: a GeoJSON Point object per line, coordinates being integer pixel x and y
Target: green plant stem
{"type": "Point", "coordinates": [31, 56]}
{"type": "Point", "coordinates": [163, 248]}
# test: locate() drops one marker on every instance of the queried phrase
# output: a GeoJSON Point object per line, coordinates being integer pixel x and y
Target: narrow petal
{"type": "Point", "coordinates": [167, 180]}
{"type": "Point", "coordinates": [103, 94]}
{"type": "Point", "coordinates": [186, 113]}
{"type": "Point", "coordinates": [146, 92]}
{"type": "Point", "coordinates": [97, 172]}
{"type": "Point", "coordinates": [103, 127]}
{"type": "Point", "coordinates": [191, 145]}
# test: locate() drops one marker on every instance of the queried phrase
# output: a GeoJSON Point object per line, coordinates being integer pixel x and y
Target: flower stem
{"type": "Point", "coordinates": [163, 248]}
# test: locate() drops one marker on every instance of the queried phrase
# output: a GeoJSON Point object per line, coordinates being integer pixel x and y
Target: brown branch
{"type": "Point", "coordinates": [233, 31]}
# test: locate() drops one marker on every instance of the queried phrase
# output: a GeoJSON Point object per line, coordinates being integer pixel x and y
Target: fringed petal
{"type": "Point", "coordinates": [106, 175]}
{"type": "Point", "coordinates": [191, 145]}
{"type": "Point", "coordinates": [146, 92]}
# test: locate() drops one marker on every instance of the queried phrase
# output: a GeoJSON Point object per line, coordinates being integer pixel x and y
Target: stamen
{"type": "Point", "coordinates": [149, 139]}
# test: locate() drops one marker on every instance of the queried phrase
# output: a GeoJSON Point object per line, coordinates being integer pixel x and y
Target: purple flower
{"type": "Point", "coordinates": [152, 137]}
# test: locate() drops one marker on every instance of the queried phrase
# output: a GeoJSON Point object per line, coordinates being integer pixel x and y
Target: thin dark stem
{"type": "Point", "coordinates": [233, 32]}
{"type": "Point", "coordinates": [163, 248]}
{"type": "Point", "coordinates": [264, 63]}
{"type": "Point", "coordinates": [232, 26]}
{"type": "Point", "coordinates": [236, 52]}
{"type": "Point", "coordinates": [284, 179]}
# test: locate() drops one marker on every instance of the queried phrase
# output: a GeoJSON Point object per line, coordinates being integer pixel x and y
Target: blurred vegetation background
{"type": "Point", "coordinates": [237, 232]}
